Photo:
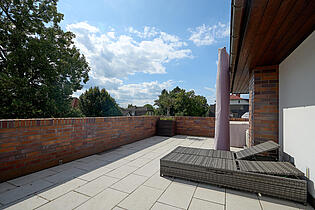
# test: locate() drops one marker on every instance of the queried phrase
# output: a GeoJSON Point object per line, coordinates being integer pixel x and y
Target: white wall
{"type": "Point", "coordinates": [297, 106]}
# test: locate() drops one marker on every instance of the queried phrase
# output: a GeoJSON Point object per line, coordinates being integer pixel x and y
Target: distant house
{"type": "Point", "coordinates": [238, 106]}
{"type": "Point", "coordinates": [137, 111]}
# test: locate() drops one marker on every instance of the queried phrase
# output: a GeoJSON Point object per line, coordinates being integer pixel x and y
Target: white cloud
{"type": "Point", "coordinates": [112, 57]}
{"type": "Point", "coordinates": [117, 56]}
{"type": "Point", "coordinates": [210, 89]}
{"type": "Point", "coordinates": [148, 32]}
{"type": "Point", "coordinates": [141, 93]}
{"type": "Point", "coordinates": [83, 26]}
{"type": "Point", "coordinates": [78, 92]}
{"type": "Point", "coordinates": [111, 34]}
{"type": "Point", "coordinates": [212, 94]}
{"type": "Point", "coordinates": [208, 35]}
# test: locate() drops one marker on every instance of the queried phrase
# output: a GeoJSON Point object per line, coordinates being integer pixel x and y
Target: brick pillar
{"type": "Point", "coordinates": [264, 104]}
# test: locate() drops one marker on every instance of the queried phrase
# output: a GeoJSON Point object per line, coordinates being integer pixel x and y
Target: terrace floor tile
{"type": "Point", "coordinates": [273, 203]}
{"type": "Point", "coordinates": [97, 185]}
{"type": "Point", "coordinates": [159, 206]}
{"type": "Point", "coordinates": [95, 173]}
{"type": "Point", "coordinates": [23, 191]}
{"type": "Point", "coordinates": [178, 194]}
{"type": "Point", "coordinates": [142, 198]}
{"type": "Point", "coordinates": [139, 162]}
{"type": "Point", "coordinates": [129, 183]}
{"type": "Point", "coordinates": [149, 169]}
{"type": "Point", "coordinates": [23, 180]}
{"type": "Point", "coordinates": [30, 203]}
{"type": "Point", "coordinates": [66, 202]}
{"type": "Point", "coordinates": [210, 193]}
{"type": "Point", "coordinates": [158, 182]}
{"type": "Point", "coordinates": [57, 191]}
{"type": "Point", "coordinates": [107, 199]}
{"type": "Point", "coordinates": [121, 172]}
{"type": "Point", "coordinates": [197, 204]}
{"type": "Point", "coordinates": [241, 200]}
{"type": "Point", "coordinates": [5, 186]}
{"type": "Point", "coordinates": [67, 174]}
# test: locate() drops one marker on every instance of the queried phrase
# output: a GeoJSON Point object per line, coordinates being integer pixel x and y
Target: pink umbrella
{"type": "Point", "coordinates": [222, 129]}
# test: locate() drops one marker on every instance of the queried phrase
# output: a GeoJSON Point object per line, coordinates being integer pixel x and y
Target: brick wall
{"type": "Point", "coordinates": [198, 126]}
{"type": "Point", "coordinates": [30, 145]}
{"type": "Point", "coordinates": [264, 104]}
{"type": "Point", "coordinates": [195, 126]}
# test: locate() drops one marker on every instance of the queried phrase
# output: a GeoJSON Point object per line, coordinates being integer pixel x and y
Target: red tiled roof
{"type": "Point", "coordinates": [234, 97]}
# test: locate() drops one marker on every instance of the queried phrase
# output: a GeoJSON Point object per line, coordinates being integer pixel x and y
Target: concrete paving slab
{"type": "Point", "coordinates": [238, 200]}
{"type": "Point", "coordinates": [158, 182]}
{"type": "Point", "coordinates": [197, 204]}
{"type": "Point", "coordinates": [121, 172]}
{"type": "Point", "coordinates": [142, 198]}
{"type": "Point", "coordinates": [149, 169]}
{"type": "Point", "coordinates": [160, 206]}
{"type": "Point", "coordinates": [210, 193]}
{"type": "Point", "coordinates": [23, 180]}
{"type": "Point", "coordinates": [117, 163]}
{"type": "Point", "coordinates": [23, 191]}
{"type": "Point", "coordinates": [5, 186]}
{"type": "Point", "coordinates": [65, 175]}
{"type": "Point", "coordinates": [59, 190]}
{"type": "Point", "coordinates": [29, 203]}
{"type": "Point", "coordinates": [66, 202]}
{"type": "Point", "coordinates": [151, 155]}
{"type": "Point", "coordinates": [139, 162]}
{"type": "Point", "coordinates": [95, 173]}
{"type": "Point", "coordinates": [129, 183]}
{"type": "Point", "coordinates": [97, 185]}
{"type": "Point", "coordinates": [178, 194]}
{"type": "Point", "coordinates": [279, 204]}
{"type": "Point", "coordinates": [107, 199]}
{"type": "Point", "coordinates": [91, 166]}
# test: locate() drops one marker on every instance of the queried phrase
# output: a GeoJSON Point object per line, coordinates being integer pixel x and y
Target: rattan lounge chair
{"type": "Point", "coordinates": [229, 169]}
{"type": "Point", "coordinates": [251, 153]}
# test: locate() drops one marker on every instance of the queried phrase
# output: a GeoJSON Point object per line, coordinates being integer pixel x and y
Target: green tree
{"type": "Point", "coordinates": [181, 103]}
{"type": "Point", "coordinates": [131, 106]}
{"type": "Point", "coordinates": [98, 103]}
{"type": "Point", "coordinates": [40, 68]}
{"type": "Point", "coordinates": [165, 102]}
{"type": "Point", "coordinates": [149, 107]}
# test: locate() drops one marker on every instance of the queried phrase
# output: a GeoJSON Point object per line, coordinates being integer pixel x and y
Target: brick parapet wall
{"type": "Point", "coordinates": [198, 126]}
{"type": "Point", "coordinates": [264, 104]}
{"type": "Point", "coordinates": [33, 144]}
{"type": "Point", "coordinates": [195, 126]}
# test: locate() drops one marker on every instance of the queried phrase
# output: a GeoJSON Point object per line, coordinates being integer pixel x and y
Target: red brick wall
{"type": "Point", "coordinates": [30, 145]}
{"type": "Point", "coordinates": [198, 126]}
{"type": "Point", "coordinates": [195, 126]}
{"type": "Point", "coordinates": [264, 104]}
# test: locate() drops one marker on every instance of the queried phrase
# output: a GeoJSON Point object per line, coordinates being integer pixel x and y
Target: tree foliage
{"type": "Point", "coordinates": [181, 103]}
{"type": "Point", "coordinates": [149, 107]}
{"type": "Point", "coordinates": [40, 68]}
{"type": "Point", "coordinates": [98, 103]}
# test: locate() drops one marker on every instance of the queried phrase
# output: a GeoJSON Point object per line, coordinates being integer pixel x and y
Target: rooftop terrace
{"type": "Point", "coordinates": [127, 178]}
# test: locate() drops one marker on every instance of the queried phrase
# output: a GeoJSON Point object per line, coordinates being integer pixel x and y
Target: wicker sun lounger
{"type": "Point", "coordinates": [278, 179]}
{"type": "Point", "coordinates": [245, 154]}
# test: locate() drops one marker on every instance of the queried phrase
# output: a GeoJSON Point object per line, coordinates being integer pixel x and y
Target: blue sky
{"type": "Point", "coordinates": [136, 48]}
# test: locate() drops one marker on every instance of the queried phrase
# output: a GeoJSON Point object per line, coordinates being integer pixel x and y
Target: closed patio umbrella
{"type": "Point", "coordinates": [222, 129]}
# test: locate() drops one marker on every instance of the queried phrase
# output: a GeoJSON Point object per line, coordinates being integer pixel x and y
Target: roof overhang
{"type": "Point", "coordinates": [264, 33]}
